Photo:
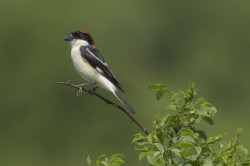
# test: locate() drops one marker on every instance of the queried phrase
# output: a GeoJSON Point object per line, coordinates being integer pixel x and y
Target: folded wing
{"type": "Point", "coordinates": [95, 59]}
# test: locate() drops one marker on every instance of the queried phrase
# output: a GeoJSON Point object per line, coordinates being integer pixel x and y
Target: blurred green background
{"type": "Point", "coordinates": [170, 42]}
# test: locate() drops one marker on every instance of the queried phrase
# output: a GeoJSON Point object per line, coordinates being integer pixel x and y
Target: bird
{"type": "Point", "coordinates": [91, 66]}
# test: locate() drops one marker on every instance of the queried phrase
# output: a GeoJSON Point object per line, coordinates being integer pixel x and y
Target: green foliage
{"type": "Point", "coordinates": [102, 160]}
{"type": "Point", "coordinates": [176, 140]}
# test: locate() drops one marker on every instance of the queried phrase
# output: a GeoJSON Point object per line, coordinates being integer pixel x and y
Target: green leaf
{"type": "Point", "coordinates": [239, 130]}
{"type": "Point", "coordinates": [171, 106]}
{"type": "Point", "coordinates": [139, 139]}
{"type": "Point", "coordinates": [178, 95]}
{"type": "Point", "coordinates": [89, 161]}
{"type": "Point", "coordinates": [176, 151]}
{"type": "Point", "coordinates": [208, 162]}
{"type": "Point", "coordinates": [161, 90]}
{"type": "Point", "coordinates": [144, 149]}
{"type": "Point", "coordinates": [164, 120]}
{"type": "Point", "coordinates": [186, 132]}
{"type": "Point", "coordinates": [151, 159]}
{"type": "Point", "coordinates": [105, 162]}
{"type": "Point", "coordinates": [208, 109]}
{"type": "Point", "coordinates": [208, 120]}
{"type": "Point", "coordinates": [156, 86]}
{"type": "Point", "coordinates": [98, 161]}
{"type": "Point", "coordinates": [150, 140]}
{"type": "Point", "coordinates": [142, 155]}
{"type": "Point", "coordinates": [218, 160]}
{"type": "Point", "coordinates": [159, 94]}
{"type": "Point", "coordinates": [157, 155]}
{"type": "Point", "coordinates": [222, 145]}
{"type": "Point", "coordinates": [201, 100]}
{"type": "Point", "coordinates": [116, 159]}
{"type": "Point", "coordinates": [155, 158]}
{"type": "Point", "coordinates": [246, 163]}
{"type": "Point", "coordinates": [160, 147]}
{"type": "Point", "coordinates": [187, 139]}
{"type": "Point", "coordinates": [190, 93]}
{"type": "Point", "coordinates": [202, 134]}
{"type": "Point", "coordinates": [242, 149]}
{"type": "Point", "coordinates": [216, 138]}
{"type": "Point", "coordinates": [185, 145]}
{"type": "Point", "coordinates": [192, 153]}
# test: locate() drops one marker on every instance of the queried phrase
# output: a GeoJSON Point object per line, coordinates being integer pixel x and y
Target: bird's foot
{"type": "Point", "coordinates": [81, 88]}
{"type": "Point", "coordinates": [92, 91]}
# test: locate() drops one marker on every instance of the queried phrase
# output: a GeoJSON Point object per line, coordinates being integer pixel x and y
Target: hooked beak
{"type": "Point", "coordinates": [68, 38]}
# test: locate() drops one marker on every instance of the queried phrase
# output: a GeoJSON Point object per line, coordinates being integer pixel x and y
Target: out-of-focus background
{"type": "Point", "coordinates": [170, 42]}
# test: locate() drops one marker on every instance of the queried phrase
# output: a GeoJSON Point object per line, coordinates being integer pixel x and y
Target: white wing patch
{"type": "Point", "coordinates": [99, 70]}
{"type": "Point", "coordinates": [104, 63]}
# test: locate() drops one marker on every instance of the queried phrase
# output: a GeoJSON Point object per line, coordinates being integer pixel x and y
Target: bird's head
{"type": "Point", "coordinates": [80, 38]}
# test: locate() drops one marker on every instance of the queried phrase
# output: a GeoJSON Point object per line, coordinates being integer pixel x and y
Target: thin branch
{"type": "Point", "coordinates": [108, 102]}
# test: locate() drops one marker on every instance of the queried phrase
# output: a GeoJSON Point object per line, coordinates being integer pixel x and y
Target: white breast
{"type": "Point", "coordinates": [82, 67]}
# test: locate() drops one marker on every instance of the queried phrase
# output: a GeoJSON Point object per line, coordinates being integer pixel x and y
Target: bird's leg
{"type": "Point", "coordinates": [92, 91]}
{"type": "Point", "coordinates": [81, 86]}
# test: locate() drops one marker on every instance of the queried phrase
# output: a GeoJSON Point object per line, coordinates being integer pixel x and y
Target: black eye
{"type": "Point", "coordinates": [79, 35]}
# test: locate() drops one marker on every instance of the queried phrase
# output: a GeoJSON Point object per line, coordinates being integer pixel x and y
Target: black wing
{"type": "Point", "coordinates": [95, 59]}
{"type": "Point", "coordinates": [96, 53]}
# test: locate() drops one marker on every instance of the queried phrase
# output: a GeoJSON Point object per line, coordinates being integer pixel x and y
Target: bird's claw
{"type": "Point", "coordinates": [80, 89]}
{"type": "Point", "coordinates": [92, 91]}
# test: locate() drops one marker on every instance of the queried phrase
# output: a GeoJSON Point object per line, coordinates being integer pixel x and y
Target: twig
{"type": "Point", "coordinates": [109, 102]}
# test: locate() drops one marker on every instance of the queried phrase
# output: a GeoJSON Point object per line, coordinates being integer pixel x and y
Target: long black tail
{"type": "Point", "coordinates": [123, 101]}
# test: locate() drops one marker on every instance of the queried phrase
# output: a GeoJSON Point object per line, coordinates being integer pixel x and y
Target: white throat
{"type": "Point", "coordinates": [78, 43]}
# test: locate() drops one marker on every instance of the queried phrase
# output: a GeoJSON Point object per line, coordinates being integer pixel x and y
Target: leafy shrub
{"type": "Point", "coordinates": [176, 140]}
